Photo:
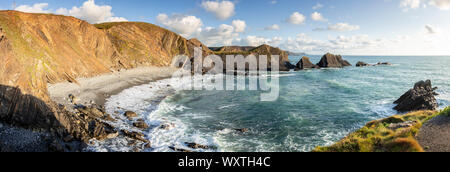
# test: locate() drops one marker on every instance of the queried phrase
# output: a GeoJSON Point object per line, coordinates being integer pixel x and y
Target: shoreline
{"type": "Point", "coordinates": [96, 90]}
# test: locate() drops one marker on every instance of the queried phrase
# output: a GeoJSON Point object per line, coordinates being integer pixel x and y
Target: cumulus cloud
{"type": "Point", "coordinates": [184, 25]}
{"type": "Point", "coordinates": [36, 8]}
{"type": "Point", "coordinates": [272, 27]}
{"type": "Point", "coordinates": [318, 17]}
{"type": "Point", "coordinates": [296, 18]}
{"type": "Point", "coordinates": [431, 29]}
{"type": "Point", "coordinates": [222, 35]}
{"type": "Point", "coordinates": [92, 12]}
{"type": "Point", "coordinates": [239, 25]}
{"type": "Point", "coordinates": [222, 10]}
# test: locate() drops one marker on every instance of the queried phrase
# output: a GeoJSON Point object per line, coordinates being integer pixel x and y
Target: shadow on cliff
{"type": "Point", "coordinates": [26, 111]}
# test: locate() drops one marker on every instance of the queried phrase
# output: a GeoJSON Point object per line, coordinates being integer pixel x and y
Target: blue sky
{"type": "Point", "coordinates": [352, 27]}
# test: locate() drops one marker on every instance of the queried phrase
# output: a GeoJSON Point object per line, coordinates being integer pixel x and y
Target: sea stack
{"type": "Point", "coordinates": [305, 63]}
{"type": "Point", "coordinates": [362, 64]}
{"type": "Point", "coordinates": [332, 61]}
{"type": "Point", "coordinates": [421, 97]}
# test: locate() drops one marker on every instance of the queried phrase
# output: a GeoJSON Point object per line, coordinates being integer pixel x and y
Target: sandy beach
{"type": "Point", "coordinates": [98, 89]}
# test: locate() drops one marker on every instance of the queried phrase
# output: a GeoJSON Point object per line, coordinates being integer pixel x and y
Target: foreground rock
{"type": "Point", "coordinates": [130, 114]}
{"type": "Point", "coordinates": [305, 63]}
{"type": "Point", "coordinates": [421, 97]}
{"type": "Point", "coordinates": [197, 146]}
{"type": "Point", "coordinates": [332, 61]}
{"type": "Point", "coordinates": [141, 125]}
{"type": "Point", "coordinates": [135, 136]}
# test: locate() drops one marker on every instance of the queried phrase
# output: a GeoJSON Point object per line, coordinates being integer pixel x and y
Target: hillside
{"type": "Point", "coordinates": [37, 49]}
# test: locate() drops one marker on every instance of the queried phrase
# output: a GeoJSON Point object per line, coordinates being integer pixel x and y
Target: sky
{"type": "Point", "coordinates": [348, 27]}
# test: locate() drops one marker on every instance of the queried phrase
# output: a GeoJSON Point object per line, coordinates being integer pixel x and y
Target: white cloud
{"type": "Point", "coordinates": [239, 25]}
{"type": "Point", "coordinates": [296, 18]}
{"type": "Point", "coordinates": [414, 4]}
{"type": "Point", "coordinates": [184, 25]}
{"type": "Point", "coordinates": [317, 6]}
{"type": "Point", "coordinates": [272, 27]}
{"type": "Point", "coordinates": [410, 4]}
{"type": "Point", "coordinates": [254, 41]}
{"type": "Point", "coordinates": [222, 10]}
{"type": "Point", "coordinates": [274, 2]}
{"type": "Point", "coordinates": [441, 4]}
{"type": "Point", "coordinates": [431, 29]}
{"type": "Point", "coordinates": [92, 12]}
{"type": "Point", "coordinates": [36, 8]}
{"type": "Point", "coordinates": [222, 35]}
{"type": "Point", "coordinates": [318, 17]}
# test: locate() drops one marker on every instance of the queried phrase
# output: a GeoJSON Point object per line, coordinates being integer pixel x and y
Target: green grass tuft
{"type": "Point", "coordinates": [445, 112]}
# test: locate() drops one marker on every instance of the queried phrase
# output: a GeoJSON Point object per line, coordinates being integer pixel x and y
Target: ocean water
{"type": "Point", "coordinates": [315, 107]}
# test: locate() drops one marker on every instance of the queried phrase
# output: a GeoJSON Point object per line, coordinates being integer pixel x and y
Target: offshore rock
{"type": "Point", "coordinates": [421, 97]}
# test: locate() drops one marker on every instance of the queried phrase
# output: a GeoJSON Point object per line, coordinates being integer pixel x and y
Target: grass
{"type": "Point", "coordinates": [107, 26]}
{"type": "Point", "coordinates": [445, 112]}
{"type": "Point", "coordinates": [382, 136]}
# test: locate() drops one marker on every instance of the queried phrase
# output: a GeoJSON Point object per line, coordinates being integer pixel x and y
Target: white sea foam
{"type": "Point", "coordinates": [149, 102]}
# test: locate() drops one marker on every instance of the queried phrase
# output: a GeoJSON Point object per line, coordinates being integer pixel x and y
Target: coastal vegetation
{"type": "Point", "coordinates": [393, 134]}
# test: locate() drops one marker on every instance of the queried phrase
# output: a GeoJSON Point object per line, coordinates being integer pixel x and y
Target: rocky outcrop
{"type": "Point", "coordinates": [332, 61]}
{"type": "Point", "coordinates": [305, 63]}
{"type": "Point", "coordinates": [362, 64]}
{"type": "Point", "coordinates": [284, 63]}
{"type": "Point", "coordinates": [421, 97]}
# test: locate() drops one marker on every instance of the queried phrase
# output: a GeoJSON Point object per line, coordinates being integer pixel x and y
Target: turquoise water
{"type": "Point", "coordinates": [315, 107]}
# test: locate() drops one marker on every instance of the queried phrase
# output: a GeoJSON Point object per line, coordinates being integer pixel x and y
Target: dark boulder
{"type": "Point", "coordinates": [197, 146]}
{"type": "Point", "coordinates": [332, 61]}
{"type": "Point", "coordinates": [130, 114]}
{"type": "Point", "coordinates": [362, 64]}
{"type": "Point", "coordinates": [135, 135]}
{"type": "Point", "coordinates": [141, 125]}
{"type": "Point", "coordinates": [242, 130]}
{"type": "Point", "coordinates": [421, 97]}
{"type": "Point", "coordinates": [305, 63]}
